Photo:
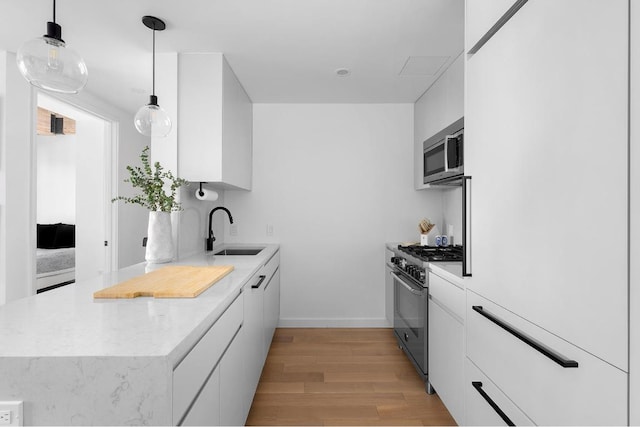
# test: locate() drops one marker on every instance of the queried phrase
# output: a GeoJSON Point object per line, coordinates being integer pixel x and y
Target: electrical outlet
{"type": "Point", "coordinates": [269, 230]}
{"type": "Point", "coordinates": [11, 413]}
{"type": "Point", "coordinates": [233, 230]}
{"type": "Point", "coordinates": [5, 418]}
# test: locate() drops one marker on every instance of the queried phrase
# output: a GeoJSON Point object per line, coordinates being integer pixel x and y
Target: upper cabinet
{"type": "Point", "coordinates": [441, 105]}
{"type": "Point", "coordinates": [216, 117]}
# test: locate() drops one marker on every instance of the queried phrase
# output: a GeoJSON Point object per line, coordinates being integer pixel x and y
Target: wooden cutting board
{"type": "Point", "coordinates": [175, 281]}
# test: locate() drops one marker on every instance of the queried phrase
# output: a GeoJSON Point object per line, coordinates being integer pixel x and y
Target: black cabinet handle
{"type": "Point", "coordinates": [478, 386]}
{"type": "Point", "coordinates": [466, 241]}
{"type": "Point", "coordinates": [257, 285]}
{"type": "Point", "coordinates": [560, 360]}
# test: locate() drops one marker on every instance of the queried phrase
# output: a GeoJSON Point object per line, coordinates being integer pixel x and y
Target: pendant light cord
{"type": "Point", "coordinates": [153, 72]}
{"type": "Point", "coordinates": [54, 11]}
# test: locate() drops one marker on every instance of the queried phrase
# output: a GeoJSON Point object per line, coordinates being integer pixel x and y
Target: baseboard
{"type": "Point", "coordinates": [334, 323]}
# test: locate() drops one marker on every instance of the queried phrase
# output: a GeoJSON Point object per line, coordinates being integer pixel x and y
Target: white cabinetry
{"type": "Point", "coordinates": [191, 374]}
{"type": "Point", "coordinates": [546, 121]}
{"type": "Point", "coordinates": [215, 382]}
{"type": "Point", "coordinates": [436, 109]}
{"type": "Point", "coordinates": [253, 333]}
{"type": "Point", "coordinates": [446, 343]}
{"type": "Point", "coordinates": [480, 16]}
{"type": "Point", "coordinates": [271, 309]}
{"type": "Point", "coordinates": [479, 395]}
{"type": "Point", "coordinates": [216, 119]}
{"type": "Point", "coordinates": [234, 406]}
{"type": "Point", "coordinates": [206, 408]}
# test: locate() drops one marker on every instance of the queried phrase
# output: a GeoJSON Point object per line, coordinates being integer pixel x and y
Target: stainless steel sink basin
{"type": "Point", "coordinates": [240, 251]}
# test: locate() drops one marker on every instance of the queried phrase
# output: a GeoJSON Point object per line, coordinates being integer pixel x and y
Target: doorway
{"type": "Point", "coordinates": [73, 192]}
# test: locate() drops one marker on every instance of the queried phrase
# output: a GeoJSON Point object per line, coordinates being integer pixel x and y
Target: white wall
{"type": "Point", "coordinates": [17, 234]}
{"type": "Point", "coordinates": [336, 183]}
{"type": "Point", "coordinates": [56, 177]}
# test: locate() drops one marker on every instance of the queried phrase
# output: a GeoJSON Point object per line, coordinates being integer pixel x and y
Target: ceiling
{"type": "Point", "coordinates": [283, 51]}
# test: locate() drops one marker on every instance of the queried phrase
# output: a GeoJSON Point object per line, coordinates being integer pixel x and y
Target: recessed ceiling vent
{"type": "Point", "coordinates": [423, 65]}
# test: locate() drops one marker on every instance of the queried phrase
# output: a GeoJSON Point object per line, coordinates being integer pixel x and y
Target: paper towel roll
{"type": "Point", "coordinates": [207, 195]}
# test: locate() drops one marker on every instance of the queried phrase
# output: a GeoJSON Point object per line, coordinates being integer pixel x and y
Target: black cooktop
{"type": "Point", "coordinates": [434, 253]}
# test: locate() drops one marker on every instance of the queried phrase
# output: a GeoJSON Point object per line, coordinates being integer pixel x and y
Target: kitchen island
{"type": "Point", "coordinates": [76, 360]}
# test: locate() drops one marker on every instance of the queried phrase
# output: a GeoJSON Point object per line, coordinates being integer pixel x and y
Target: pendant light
{"type": "Point", "coordinates": [151, 120]}
{"type": "Point", "coordinates": [47, 63]}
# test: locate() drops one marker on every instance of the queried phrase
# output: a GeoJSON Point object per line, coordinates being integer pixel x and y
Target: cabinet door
{"type": "Point", "coordinates": [446, 358]}
{"type": "Point", "coordinates": [253, 336]}
{"type": "Point", "coordinates": [480, 16]}
{"type": "Point", "coordinates": [206, 408]}
{"type": "Point", "coordinates": [546, 144]}
{"type": "Point", "coordinates": [271, 309]}
{"type": "Point", "coordinates": [234, 407]}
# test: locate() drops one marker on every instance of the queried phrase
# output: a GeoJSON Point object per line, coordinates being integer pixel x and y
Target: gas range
{"type": "Point", "coordinates": [412, 260]}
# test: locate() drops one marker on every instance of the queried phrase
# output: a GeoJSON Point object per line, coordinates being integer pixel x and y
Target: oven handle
{"type": "Point", "coordinates": [406, 285]}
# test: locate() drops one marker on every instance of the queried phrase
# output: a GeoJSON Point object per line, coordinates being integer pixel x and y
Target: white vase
{"type": "Point", "coordinates": [159, 238]}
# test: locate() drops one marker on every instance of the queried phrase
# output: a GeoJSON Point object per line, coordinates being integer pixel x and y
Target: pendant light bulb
{"type": "Point", "coordinates": [151, 119]}
{"type": "Point", "coordinates": [47, 63]}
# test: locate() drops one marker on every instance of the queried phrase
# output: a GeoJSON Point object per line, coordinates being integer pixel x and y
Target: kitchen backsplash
{"type": "Point", "coordinates": [452, 213]}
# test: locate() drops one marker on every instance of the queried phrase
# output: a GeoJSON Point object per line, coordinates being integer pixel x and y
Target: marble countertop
{"type": "Point", "coordinates": [69, 322]}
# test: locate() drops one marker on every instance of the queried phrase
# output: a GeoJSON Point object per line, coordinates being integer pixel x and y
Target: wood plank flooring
{"type": "Point", "coordinates": [341, 377]}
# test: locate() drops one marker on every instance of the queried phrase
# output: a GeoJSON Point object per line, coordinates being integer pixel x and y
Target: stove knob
{"type": "Point", "coordinates": [422, 276]}
{"type": "Point", "coordinates": [416, 274]}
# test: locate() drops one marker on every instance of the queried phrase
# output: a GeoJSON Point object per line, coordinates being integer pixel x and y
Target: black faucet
{"type": "Point", "coordinates": [211, 237]}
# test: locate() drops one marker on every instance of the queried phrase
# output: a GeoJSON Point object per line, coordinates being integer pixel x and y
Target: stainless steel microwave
{"type": "Point", "coordinates": [444, 158]}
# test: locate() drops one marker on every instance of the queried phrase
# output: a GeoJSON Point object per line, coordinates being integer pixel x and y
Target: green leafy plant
{"type": "Point", "coordinates": [152, 183]}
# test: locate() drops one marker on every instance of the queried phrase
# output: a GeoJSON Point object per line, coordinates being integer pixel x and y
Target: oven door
{"type": "Point", "coordinates": [410, 319]}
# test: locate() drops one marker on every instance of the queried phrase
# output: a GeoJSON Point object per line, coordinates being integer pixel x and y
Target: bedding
{"type": "Point", "coordinates": [49, 260]}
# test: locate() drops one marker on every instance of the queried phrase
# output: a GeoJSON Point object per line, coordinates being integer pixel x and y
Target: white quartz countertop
{"type": "Point", "coordinates": [451, 271]}
{"type": "Point", "coordinates": [69, 322]}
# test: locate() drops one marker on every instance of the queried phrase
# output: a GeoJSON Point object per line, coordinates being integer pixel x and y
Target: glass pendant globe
{"type": "Point", "coordinates": [151, 120]}
{"type": "Point", "coordinates": [48, 64]}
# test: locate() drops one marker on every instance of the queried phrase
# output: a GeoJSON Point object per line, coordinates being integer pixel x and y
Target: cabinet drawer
{"type": "Point", "coordinates": [271, 266]}
{"type": "Point", "coordinates": [193, 370]}
{"type": "Point", "coordinates": [594, 392]}
{"type": "Point", "coordinates": [485, 404]}
{"type": "Point", "coordinates": [448, 295]}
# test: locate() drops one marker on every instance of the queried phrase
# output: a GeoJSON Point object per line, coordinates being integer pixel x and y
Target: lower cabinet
{"type": "Point", "coordinates": [486, 405]}
{"type": "Point", "coordinates": [271, 310]}
{"type": "Point", "coordinates": [215, 382]}
{"type": "Point", "coordinates": [206, 408]}
{"type": "Point", "coordinates": [552, 381]}
{"type": "Point", "coordinates": [234, 406]}
{"type": "Point", "coordinates": [446, 344]}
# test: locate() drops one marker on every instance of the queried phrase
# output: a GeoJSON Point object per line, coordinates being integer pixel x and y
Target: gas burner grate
{"type": "Point", "coordinates": [434, 253]}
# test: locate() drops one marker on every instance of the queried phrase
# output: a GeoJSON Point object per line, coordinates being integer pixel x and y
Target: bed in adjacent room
{"type": "Point", "coordinates": [55, 255]}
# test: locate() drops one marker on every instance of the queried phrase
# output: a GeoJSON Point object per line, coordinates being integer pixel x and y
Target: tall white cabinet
{"type": "Point", "coordinates": [546, 131]}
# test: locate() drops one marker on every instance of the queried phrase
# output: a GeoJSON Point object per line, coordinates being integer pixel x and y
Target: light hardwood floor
{"type": "Point", "coordinates": [342, 377]}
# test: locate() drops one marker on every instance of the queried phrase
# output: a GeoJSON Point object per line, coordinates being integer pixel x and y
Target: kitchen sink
{"type": "Point", "coordinates": [240, 251]}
